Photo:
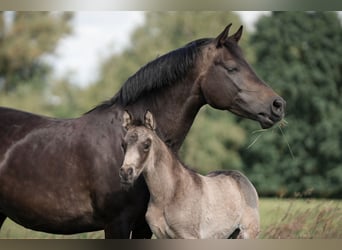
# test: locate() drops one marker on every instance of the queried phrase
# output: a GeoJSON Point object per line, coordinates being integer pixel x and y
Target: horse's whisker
{"type": "Point", "coordinates": [279, 125]}
{"type": "Point", "coordinates": [287, 142]}
{"type": "Point", "coordinates": [254, 141]}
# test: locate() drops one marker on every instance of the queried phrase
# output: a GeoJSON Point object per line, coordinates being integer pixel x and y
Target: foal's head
{"type": "Point", "coordinates": [137, 145]}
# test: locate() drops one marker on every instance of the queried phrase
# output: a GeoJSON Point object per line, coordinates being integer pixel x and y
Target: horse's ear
{"type": "Point", "coordinates": [221, 39]}
{"type": "Point", "coordinates": [236, 37]}
{"type": "Point", "coordinates": [149, 121]}
{"type": "Point", "coordinates": [126, 120]}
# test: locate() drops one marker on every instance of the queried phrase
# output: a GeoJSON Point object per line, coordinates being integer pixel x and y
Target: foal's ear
{"type": "Point", "coordinates": [126, 120]}
{"type": "Point", "coordinates": [149, 121]}
{"type": "Point", "coordinates": [221, 39]}
{"type": "Point", "coordinates": [236, 37]}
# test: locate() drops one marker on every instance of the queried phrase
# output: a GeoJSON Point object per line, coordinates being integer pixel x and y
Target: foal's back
{"type": "Point", "coordinates": [236, 204]}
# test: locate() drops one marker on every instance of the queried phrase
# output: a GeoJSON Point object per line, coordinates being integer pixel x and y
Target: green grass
{"type": "Point", "coordinates": [300, 219]}
{"type": "Point", "coordinates": [280, 218]}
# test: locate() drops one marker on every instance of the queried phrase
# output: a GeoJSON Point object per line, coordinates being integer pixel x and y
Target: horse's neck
{"type": "Point", "coordinates": [175, 109]}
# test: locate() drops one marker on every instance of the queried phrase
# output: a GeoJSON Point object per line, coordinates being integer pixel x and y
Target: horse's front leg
{"type": "Point", "coordinates": [141, 229]}
{"type": "Point", "coordinates": [118, 229]}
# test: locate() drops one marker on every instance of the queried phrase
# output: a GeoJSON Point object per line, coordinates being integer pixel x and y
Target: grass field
{"type": "Point", "coordinates": [280, 219]}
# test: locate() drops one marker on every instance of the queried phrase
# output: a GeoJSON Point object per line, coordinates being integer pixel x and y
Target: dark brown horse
{"type": "Point", "coordinates": [61, 175]}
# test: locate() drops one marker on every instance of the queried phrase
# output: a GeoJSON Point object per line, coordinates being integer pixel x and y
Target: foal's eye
{"type": "Point", "coordinates": [146, 145]}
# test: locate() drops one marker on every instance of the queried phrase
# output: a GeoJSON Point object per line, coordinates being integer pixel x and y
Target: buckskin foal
{"type": "Point", "coordinates": [183, 203]}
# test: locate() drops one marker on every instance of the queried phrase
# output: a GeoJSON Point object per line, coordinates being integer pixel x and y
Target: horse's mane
{"type": "Point", "coordinates": [161, 72]}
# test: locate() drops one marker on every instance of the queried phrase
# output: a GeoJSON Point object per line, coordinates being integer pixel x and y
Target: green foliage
{"type": "Point", "coordinates": [299, 54]}
{"type": "Point", "coordinates": [24, 41]}
{"type": "Point", "coordinates": [213, 141]}
{"type": "Point", "coordinates": [65, 99]}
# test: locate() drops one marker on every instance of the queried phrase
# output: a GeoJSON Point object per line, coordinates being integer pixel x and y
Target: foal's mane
{"type": "Point", "coordinates": [161, 72]}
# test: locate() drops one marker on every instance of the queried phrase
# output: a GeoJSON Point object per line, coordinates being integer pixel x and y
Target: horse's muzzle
{"type": "Point", "coordinates": [278, 108]}
{"type": "Point", "coordinates": [274, 114]}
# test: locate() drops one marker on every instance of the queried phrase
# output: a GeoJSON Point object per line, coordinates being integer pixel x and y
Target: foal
{"type": "Point", "coordinates": [183, 203]}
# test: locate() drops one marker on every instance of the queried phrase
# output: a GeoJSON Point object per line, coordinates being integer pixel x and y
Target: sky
{"type": "Point", "coordinates": [98, 35]}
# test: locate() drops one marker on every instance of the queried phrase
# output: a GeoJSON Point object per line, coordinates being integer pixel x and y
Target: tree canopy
{"type": "Point", "coordinates": [25, 39]}
{"type": "Point", "coordinates": [300, 55]}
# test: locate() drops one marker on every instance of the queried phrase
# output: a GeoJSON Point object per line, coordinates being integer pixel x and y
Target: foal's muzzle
{"type": "Point", "coordinates": [126, 176]}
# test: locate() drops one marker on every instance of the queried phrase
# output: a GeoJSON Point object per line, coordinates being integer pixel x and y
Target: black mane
{"type": "Point", "coordinates": [161, 72]}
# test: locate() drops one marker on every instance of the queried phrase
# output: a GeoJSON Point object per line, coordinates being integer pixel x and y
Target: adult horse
{"type": "Point", "coordinates": [62, 175]}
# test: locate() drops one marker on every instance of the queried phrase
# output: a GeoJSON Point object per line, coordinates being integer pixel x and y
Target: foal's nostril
{"type": "Point", "coordinates": [129, 171]}
{"type": "Point", "coordinates": [121, 172]}
{"type": "Point", "coordinates": [125, 173]}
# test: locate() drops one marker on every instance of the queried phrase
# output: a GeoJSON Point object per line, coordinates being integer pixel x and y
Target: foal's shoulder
{"type": "Point", "coordinates": [244, 184]}
{"type": "Point", "coordinates": [237, 175]}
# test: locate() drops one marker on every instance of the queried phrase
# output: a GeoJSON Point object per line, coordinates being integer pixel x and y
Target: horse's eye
{"type": "Point", "coordinates": [231, 69]}
{"type": "Point", "coordinates": [146, 145]}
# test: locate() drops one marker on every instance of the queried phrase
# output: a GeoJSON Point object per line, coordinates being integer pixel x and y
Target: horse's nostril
{"type": "Point", "coordinates": [130, 171]}
{"type": "Point", "coordinates": [277, 103]}
{"type": "Point", "coordinates": [278, 106]}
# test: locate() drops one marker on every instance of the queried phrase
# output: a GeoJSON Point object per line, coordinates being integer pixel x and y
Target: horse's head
{"type": "Point", "coordinates": [229, 83]}
{"type": "Point", "coordinates": [137, 145]}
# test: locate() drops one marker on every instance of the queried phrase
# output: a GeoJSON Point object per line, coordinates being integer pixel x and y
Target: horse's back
{"type": "Point", "coordinates": [11, 116]}
{"type": "Point", "coordinates": [15, 124]}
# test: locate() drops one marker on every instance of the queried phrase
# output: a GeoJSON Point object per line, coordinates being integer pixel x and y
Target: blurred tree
{"type": "Point", "coordinates": [214, 137]}
{"type": "Point", "coordinates": [64, 98]}
{"type": "Point", "coordinates": [213, 142]}
{"type": "Point", "coordinates": [300, 54]}
{"type": "Point", "coordinates": [25, 37]}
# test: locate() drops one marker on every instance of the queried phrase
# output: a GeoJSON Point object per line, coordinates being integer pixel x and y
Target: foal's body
{"type": "Point", "coordinates": [201, 207]}
{"type": "Point", "coordinates": [185, 204]}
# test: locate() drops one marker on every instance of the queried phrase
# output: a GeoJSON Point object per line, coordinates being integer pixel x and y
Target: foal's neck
{"type": "Point", "coordinates": [164, 174]}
